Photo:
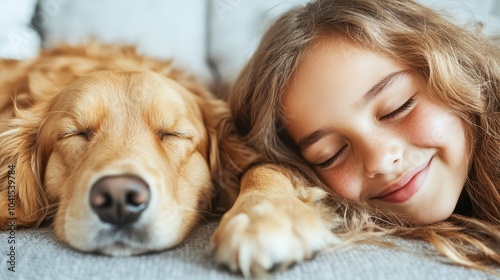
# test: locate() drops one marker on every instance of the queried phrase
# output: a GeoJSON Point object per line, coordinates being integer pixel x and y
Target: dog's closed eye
{"type": "Point", "coordinates": [85, 134]}
{"type": "Point", "coordinates": [164, 135]}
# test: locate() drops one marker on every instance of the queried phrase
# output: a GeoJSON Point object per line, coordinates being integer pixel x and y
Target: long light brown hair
{"type": "Point", "coordinates": [461, 69]}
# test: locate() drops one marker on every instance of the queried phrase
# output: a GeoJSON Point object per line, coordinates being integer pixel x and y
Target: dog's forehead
{"type": "Point", "coordinates": [131, 91]}
{"type": "Point", "coordinates": [140, 88]}
{"type": "Point", "coordinates": [130, 95]}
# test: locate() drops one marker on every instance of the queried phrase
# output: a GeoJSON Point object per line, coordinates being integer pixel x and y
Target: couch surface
{"type": "Point", "coordinates": [38, 256]}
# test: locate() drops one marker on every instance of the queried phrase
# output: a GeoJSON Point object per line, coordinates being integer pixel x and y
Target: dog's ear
{"type": "Point", "coordinates": [228, 156]}
{"type": "Point", "coordinates": [22, 195]}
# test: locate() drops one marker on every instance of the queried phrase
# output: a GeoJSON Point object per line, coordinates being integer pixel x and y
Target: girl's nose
{"type": "Point", "coordinates": [382, 157]}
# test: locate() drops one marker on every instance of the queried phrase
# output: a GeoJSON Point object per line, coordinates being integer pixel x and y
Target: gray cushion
{"type": "Point", "coordinates": [40, 256]}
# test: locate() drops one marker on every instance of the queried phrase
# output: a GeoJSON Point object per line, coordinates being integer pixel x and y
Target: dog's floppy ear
{"type": "Point", "coordinates": [22, 195]}
{"type": "Point", "coordinates": [228, 156]}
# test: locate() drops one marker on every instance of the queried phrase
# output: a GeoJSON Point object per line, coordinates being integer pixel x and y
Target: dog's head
{"type": "Point", "coordinates": [124, 159]}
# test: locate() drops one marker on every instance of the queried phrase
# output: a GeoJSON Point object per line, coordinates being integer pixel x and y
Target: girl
{"type": "Point", "coordinates": [390, 106]}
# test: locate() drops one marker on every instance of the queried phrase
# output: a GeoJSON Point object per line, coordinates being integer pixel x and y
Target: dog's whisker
{"type": "Point", "coordinates": [198, 212]}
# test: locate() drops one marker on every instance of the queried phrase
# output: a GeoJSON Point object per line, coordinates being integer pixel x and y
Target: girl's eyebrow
{"type": "Point", "coordinates": [305, 142]}
{"type": "Point", "coordinates": [379, 87]}
{"type": "Point", "coordinates": [312, 138]}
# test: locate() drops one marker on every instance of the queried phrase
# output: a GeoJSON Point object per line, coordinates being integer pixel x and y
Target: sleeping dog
{"type": "Point", "coordinates": [124, 154]}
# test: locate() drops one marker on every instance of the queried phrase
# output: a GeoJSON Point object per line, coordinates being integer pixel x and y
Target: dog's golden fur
{"type": "Point", "coordinates": [74, 115]}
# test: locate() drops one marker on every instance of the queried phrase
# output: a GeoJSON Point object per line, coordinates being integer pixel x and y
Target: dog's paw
{"type": "Point", "coordinates": [266, 234]}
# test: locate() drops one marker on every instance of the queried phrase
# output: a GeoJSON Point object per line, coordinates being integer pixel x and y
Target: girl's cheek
{"type": "Point", "coordinates": [432, 129]}
{"type": "Point", "coordinates": [431, 126]}
{"type": "Point", "coordinates": [344, 181]}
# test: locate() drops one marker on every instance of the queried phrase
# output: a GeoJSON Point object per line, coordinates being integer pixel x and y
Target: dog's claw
{"type": "Point", "coordinates": [266, 238]}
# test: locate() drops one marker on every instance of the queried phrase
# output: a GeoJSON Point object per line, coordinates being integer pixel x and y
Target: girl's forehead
{"type": "Point", "coordinates": [341, 66]}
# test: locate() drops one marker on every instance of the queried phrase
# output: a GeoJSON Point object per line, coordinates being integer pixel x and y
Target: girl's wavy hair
{"type": "Point", "coordinates": [462, 71]}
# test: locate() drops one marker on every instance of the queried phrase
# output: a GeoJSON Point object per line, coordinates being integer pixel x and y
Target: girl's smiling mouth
{"type": "Point", "coordinates": [406, 186]}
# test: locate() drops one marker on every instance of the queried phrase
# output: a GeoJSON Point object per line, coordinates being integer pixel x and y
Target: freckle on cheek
{"type": "Point", "coordinates": [340, 182]}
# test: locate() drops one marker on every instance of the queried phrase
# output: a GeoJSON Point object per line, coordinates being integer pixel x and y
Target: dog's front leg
{"type": "Point", "coordinates": [276, 221]}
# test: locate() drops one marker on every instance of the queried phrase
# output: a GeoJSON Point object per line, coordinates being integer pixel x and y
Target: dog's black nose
{"type": "Point", "coordinates": [119, 200]}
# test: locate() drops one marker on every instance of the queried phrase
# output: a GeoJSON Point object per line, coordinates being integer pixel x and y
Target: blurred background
{"type": "Point", "coordinates": [210, 38]}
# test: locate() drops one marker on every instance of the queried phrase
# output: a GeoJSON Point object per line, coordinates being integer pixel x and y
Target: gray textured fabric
{"type": "Point", "coordinates": [40, 256]}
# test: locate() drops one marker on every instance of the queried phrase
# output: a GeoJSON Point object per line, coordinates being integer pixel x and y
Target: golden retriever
{"type": "Point", "coordinates": [125, 153]}
{"type": "Point", "coordinates": [119, 149]}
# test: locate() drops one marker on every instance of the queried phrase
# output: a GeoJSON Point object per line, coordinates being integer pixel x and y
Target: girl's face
{"type": "Point", "coordinates": [371, 131]}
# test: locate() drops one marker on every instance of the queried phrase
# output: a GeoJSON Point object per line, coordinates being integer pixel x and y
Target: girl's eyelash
{"type": "Point", "coordinates": [399, 110]}
{"type": "Point", "coordinates": [332, 160]}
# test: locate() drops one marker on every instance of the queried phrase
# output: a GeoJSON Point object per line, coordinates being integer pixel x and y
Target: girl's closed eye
{"type": "Point", "coordinates": [406, 106]}
{"type": "Point", "coordinates": [329, 162]}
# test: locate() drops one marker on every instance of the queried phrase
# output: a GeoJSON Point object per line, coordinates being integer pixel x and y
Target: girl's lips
{"type": "Point", "coordinates": [406, 187]}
